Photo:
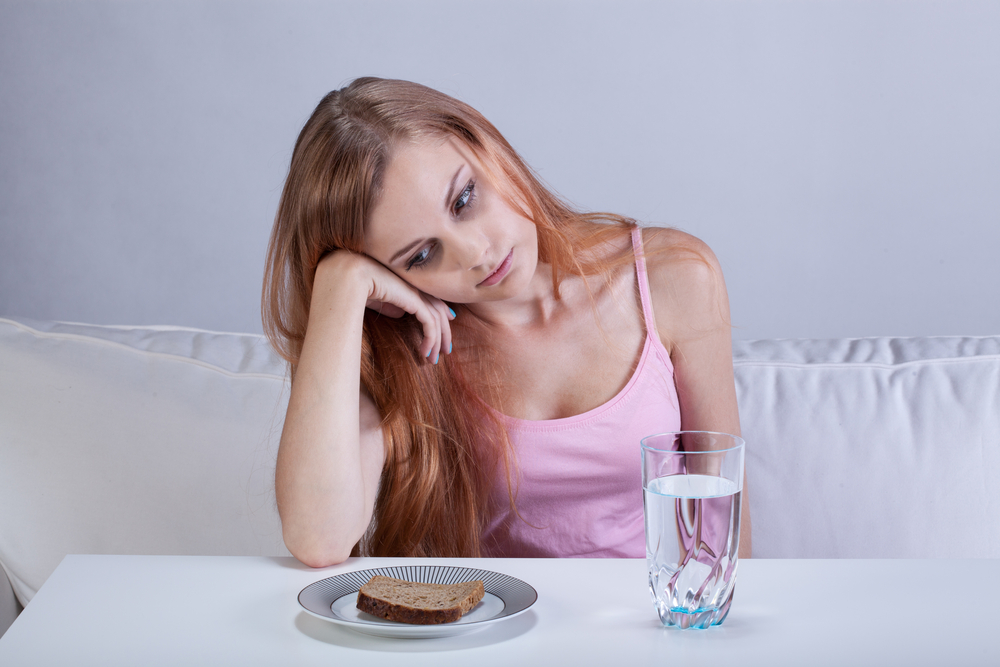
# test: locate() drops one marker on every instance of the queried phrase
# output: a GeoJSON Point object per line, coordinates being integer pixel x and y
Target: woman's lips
{"type": "Point", "coordinates": [501, 271]}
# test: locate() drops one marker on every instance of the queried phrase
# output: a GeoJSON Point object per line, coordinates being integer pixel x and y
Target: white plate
{"type": "Point", "coordinates": [334, 599]}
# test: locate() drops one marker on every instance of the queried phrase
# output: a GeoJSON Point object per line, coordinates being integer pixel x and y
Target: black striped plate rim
{"type": "Point", "coordinates": [515, 594]}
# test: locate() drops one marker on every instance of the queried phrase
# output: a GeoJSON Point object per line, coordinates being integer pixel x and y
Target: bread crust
{"type": "Point", "coordinates": [381, 603]}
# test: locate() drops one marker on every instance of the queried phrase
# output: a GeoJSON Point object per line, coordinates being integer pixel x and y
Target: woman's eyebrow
{"type": "Point", "coordinates": [405, 250]}
{"type": "Point", "coordinates": [449, 194]}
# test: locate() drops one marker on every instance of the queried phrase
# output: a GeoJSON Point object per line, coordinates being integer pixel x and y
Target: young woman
{"type": "Point", "coordinates": [473, 361]}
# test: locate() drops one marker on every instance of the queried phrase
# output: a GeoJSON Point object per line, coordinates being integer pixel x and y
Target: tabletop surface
{"type": "Point", "coordinates": [193, 610]}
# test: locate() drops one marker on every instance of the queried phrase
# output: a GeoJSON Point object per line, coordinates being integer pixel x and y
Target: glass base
{"type": "Point", "coordinates": [698, 619]}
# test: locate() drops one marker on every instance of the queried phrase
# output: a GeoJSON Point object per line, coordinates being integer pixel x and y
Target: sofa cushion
{"type": "Point", "coordinates": [872, 448]}
{"type": "Point", "coordinates": [134, 440]}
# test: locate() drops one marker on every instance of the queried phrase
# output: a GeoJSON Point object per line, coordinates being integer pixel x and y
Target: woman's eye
{"type": "Point", "coordinates": [465, 199]}
{"type": "Point", "coordinates": [419, 259]}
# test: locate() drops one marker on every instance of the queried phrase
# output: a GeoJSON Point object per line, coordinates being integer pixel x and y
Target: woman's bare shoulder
{"type": "Point", "coordinates": [665, 246]}
{"type": "Point", "coordinates": [686, 283]}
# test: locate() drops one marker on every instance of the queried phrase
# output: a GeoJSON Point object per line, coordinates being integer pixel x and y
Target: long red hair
{"type": "Point", "coordinates": [445, 447]}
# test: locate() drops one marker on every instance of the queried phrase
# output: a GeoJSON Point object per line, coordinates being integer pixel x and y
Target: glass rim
{"type": "Point", "coordinates": [740, 442]}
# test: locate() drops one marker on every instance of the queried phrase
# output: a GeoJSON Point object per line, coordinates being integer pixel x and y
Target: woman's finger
{"type": "Point", "coordinates": [447, 314]}
{"type": "Point", "coordinates": [429, 322]}
{"type": "Point", "coordinates": [440, 322]}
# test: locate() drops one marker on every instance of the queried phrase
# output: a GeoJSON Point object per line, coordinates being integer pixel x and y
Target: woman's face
{"type": "Point", "coordinates": [443, 227]}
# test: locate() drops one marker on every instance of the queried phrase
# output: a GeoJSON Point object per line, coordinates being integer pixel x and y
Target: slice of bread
{"type": "Point", "coordinates": [423, 604]}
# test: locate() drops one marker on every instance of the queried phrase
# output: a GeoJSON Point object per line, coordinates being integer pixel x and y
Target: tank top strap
{"type": "Point", "coordinates": [643, 280]}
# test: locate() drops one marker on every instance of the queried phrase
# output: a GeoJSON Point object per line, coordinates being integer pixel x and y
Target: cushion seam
{"type": "Point", "coordinates": [165, 355]}
{"type": "Point", "coordinates": [866, 364]}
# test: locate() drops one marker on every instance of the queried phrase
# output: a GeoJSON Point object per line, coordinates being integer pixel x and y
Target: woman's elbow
{"type": "Point", "coordinates": [317, 555]}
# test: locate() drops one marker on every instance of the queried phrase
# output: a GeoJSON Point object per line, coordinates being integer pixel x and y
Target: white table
{"type": "Point", "coordinates": [194, 610]}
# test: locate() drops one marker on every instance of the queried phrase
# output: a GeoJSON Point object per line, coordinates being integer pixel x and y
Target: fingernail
{"type": "Point", "coordinates": [449, 348]}
{"type": "Point", "coordinates": [436, 360]}
{"type": "Point", "coordinates": [428, 355]}
{"type": "Point", "coordinates": [453, 313]}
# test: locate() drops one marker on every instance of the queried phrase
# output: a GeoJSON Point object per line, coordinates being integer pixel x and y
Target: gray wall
{"type": "Point", "coordinates": [842, 158]}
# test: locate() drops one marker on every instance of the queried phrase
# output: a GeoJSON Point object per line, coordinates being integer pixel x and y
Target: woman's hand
{"type": "Point", "coordinates": [391, 296]}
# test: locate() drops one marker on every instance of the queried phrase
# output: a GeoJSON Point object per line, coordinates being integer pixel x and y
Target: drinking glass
{"type": "Point", "coordinates": [692, 482]}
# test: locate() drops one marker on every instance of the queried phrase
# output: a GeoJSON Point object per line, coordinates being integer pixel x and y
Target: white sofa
{"type": "Point", "coordinates": [141, 440]}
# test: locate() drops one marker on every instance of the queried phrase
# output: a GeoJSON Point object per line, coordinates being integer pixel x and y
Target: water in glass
{"type": "Point", "coordinates": [692, 538]}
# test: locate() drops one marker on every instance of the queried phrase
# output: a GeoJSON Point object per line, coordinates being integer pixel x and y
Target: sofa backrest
{"type": "Point", "coordinates": [162, 440]}
{"type": "Point", "coordinates": [873, 447]}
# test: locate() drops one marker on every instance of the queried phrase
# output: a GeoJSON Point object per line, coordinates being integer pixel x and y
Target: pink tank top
{"type": "Point", "coordinates": [579, 483]}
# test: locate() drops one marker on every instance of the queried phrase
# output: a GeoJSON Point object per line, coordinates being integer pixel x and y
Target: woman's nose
{"type": "Point", "coordinates": [472, 249]}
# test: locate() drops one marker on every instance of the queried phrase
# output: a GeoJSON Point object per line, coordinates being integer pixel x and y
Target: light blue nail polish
{"type": "Point", "coordinates": [453, 313]}
{"type": "Point", "coordinates": [449, 348]}
{"type": "Point", "coordinates": [428, 355]}
{"type": "Point", "coordinates": [436, 360]}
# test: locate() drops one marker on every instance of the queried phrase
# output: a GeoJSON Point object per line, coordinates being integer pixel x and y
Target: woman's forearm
{"type": "Point", "coordinates": [327, 470]}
